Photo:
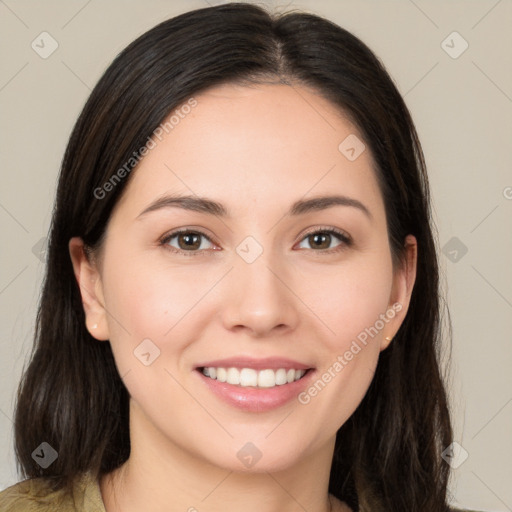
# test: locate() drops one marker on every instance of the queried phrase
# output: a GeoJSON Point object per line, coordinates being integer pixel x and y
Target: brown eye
{"type": "Point", "coordinates": [187, 241]}
{"type": "Point", "coordinates": [320, 240]}
{"type": "Point", "coordinates": [323, 240]}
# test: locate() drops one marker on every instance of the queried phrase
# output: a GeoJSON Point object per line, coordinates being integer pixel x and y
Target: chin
{"type": "Point", "coordinates": [262, 456]}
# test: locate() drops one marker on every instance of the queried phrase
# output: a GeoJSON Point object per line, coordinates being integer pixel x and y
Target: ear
{"type": "Point", "coordinates": [403, 283]}
{"type": "Point", "coordinates": [91, 290]}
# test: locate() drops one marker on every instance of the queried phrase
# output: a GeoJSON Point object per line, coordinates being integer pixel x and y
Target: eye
{"type": "Point", "coordinates": [187, 241]}
{"type": "Point", "coordinates": [191, 242]}
{"type": "Point", "coordinates": [323, 238]}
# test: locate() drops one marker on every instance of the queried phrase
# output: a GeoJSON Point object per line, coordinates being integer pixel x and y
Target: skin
{"type": "Point", "coordinates": [256, 150]}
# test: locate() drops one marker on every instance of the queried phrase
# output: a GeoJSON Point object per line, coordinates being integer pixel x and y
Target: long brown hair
{"type": "Point", "coordinates": [388, 454]}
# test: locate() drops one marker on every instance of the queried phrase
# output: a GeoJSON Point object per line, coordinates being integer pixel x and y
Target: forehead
{"type": "Point", "coordinates": [254, 145]}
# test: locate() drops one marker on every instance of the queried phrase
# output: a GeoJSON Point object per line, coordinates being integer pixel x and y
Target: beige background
{"type": "Point", "coordinates": [463, 111]}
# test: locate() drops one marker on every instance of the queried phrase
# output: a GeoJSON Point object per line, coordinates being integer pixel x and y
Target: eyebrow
{"type": "Point", "coordinates": [211, 207]}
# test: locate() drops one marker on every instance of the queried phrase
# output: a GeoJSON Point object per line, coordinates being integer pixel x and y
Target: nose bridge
{"type": "Point", "coordinates": [258, 298]}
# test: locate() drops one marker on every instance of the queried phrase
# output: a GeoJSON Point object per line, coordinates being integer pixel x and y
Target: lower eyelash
{"type": "Point", "coordinates": [345, 239]}
{"type": "Point", "coordinates": [164, 241]}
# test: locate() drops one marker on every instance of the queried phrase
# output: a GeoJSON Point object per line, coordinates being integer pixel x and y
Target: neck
{"type": "Point", "coordinates": [159, 476]}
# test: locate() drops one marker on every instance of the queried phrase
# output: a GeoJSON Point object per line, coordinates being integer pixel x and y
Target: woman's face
{"type": "Point", "coordinates": [283, 272]}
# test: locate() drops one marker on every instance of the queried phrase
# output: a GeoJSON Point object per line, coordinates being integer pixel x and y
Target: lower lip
{"type": "Point", "coordinates": [253, 399]}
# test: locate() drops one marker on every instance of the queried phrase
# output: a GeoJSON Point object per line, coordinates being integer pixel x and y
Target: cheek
{"type": "Point", "coordinates": [351, 300]}
{"type": "Point", "coordinates": [150, 299]}
{"type": "Point", "coordinates": [147, 302]}
{"type": "Point", "coordinates": [353, 304]}
{"type": "Point", "coordinates": [150, 312]}
{"type": "Point", "coordinates": [337, 391]}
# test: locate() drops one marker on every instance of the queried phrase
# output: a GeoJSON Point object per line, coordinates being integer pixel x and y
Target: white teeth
{"type": "Point", "coordinates": [249, 377]}
{"type": "Point", "coordinates": [222, 374]}
{"type": "Point", "coordinates": [281, 377]}
{"type": "Point", "coordinates": [267, 379]}
{"type": "Point", "coordinates": [233, 376]}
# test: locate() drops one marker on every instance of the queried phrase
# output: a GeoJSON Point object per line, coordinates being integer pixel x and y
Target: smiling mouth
{"type": "Point", "coordinates": [249, 377]}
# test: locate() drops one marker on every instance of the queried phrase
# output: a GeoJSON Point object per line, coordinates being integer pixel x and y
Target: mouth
{"type": "Point", "coordinates": [253, 385]}
{"type": "Point", "coordinates": [253, 378]}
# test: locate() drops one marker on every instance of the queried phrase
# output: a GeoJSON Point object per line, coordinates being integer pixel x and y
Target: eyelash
{"type": "Point", "coordinates": [345, 240]}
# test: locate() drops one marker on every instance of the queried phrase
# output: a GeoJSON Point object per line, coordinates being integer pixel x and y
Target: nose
{"type": "Point", "coordinates": [259, 300]}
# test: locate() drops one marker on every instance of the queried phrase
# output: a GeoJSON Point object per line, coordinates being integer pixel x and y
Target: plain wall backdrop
{"type": "Point", "coordinates": [452, 61]}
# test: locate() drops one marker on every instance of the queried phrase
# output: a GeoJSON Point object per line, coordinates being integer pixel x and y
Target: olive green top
{"type": "Point", "coordinates": [35, 495]}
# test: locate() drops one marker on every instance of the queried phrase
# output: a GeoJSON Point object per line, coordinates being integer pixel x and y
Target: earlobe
{"type": "Point", "coordinates": [89, 282]}
{"type": "Point", "coordinates": [385, 343]}
{"type": "Point", "coordinates": [403, 284]}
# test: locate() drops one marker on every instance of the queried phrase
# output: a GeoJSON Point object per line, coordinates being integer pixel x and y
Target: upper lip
{"type": "Point", "coordinates": [267, 363]}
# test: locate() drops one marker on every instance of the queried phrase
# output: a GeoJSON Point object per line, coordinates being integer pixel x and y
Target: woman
{"type": "Point", "coordinates": [292, 362]}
